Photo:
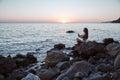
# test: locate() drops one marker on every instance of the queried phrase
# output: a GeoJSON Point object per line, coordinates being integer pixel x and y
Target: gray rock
{"type": "Point", "coordinates": [48, 74]}
{"type": "Point", "coordinates": [113, 49]}
{"type": "Point", "coordinates": [70, 31]}
{"type": "Point", "coordinates": [31, 76]}
{"type": "Point", "coordinates": [81, 66]}
{"type": "Point", "coordinates": [87, 49]}
{"type": "Point", "coordinates": [108, 41]}
{"type": "Point", "coordinates": [63, 65]}
{"type": "Point", "coordinates": [55, 56]}
{"type": "Point", "coordinates": [59, 46]}
{"type": "Point", "coordinates": [117, 62]}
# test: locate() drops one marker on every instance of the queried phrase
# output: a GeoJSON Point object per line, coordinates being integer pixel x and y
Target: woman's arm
{"type": "Point", "coordinates": [80, 35]}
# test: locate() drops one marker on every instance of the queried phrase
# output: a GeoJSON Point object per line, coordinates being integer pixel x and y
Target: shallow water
{"type": "Point", "coordinates": [27, 37]}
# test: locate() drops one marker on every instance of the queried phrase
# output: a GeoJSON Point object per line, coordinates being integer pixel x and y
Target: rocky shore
{"type": "Point", "coordinates": [84, 61]}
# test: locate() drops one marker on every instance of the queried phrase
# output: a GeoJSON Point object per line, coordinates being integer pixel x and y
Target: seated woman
{"type": "Point", "coordinates": [84, 37]}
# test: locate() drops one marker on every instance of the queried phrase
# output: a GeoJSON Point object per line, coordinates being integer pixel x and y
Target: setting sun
{"type": "Point", "coordinates": [64, 21]}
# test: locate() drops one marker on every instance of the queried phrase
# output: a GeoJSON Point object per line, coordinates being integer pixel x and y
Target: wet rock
{"type": "Point", "coordinates": [117, 62]}
{"type": "Point", "coordinates": [55, 56]}
{"type": "Point", "coordinates": [48, 74]}
{"type": "Point", "coordinates": [23, 61]}
{"type": "Point", "coordinates": [17, 75]}
{"type": "Point", "coordinates": [59, 46]}
{"type": "Point", "coordinates": [87, 49]}
{"type": "Point", "coordinates": [81, 66]}
{"type": "Point", "coordinates": [38, 49]}
{"type": "Point", "coordinates": [63, 65]}
{"type": "Point", "coordinates": [31, 59]}
{"type": "Point", "coordinates": [70, 31]}
{"type": "Point", "coordinates": [104, 67]}
{"type": "Point", "coordinates": [108, 41]}
{"type": "Point", "coordinates": [7, 65]}
{"type": "Point", "coordinates": [113, 49]}
{"type": "Point", "coordinates": [31, 76]}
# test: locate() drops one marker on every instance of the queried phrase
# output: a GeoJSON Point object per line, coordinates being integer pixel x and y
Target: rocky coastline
{"type": "Point", "coordinates": [85, 61]}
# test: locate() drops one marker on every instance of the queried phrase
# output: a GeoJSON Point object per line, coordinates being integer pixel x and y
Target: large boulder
{"type": "Point", "coordinates": [55, 56]}
{"type": "Point", "coordinates": [117, 62]}
{"type": "Point", "coordinates": [81, 66]}
{"type": "Point", "coordinates": [59, 46]}
{"type": "Point", "coordinates": [87, 49]}
{"type": "Point", "coordinates": [31, 76]}
{"type": "Point", "coordinates": [48, 74]}
{"type": "Point", "coordinates": [108, 41]}
{"type": "Point", "coordinates": [113, 49]}
{"type": "Point", "coordinates": [70, 31]}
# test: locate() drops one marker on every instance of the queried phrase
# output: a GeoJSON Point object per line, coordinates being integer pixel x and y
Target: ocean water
{"type": "Point", "coordinates": [27, 37]}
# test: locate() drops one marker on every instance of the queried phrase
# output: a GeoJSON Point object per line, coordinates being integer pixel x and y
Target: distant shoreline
{"type": "Point", "coordinates": [50, 22]}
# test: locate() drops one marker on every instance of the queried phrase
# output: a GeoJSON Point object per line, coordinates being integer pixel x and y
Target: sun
{"type": "Point", "coordinates": [64, 21]}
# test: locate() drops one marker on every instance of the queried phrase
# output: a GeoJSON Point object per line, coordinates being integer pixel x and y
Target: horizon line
{"type": "Point", "coordinates": [42, 22]}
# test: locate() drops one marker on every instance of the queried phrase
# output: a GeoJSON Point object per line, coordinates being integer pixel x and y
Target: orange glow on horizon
{"type": "Point", "coordinates": [64, 21]}
{"type": "Point", "coordinates": [57, 19]}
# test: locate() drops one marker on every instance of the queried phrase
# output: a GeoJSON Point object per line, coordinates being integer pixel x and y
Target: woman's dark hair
{"type": "Point", "coordinates": [85, 30]}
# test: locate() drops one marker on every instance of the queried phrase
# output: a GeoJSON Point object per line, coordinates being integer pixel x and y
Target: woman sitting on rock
{"type": "Point", "coordinates": [84, 37]}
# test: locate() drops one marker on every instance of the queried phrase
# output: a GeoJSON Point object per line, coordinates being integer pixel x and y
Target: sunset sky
{"type": "Point", "coordinates": [59, 10]}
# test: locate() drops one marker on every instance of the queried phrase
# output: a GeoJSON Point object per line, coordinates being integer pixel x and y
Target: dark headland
{"type": "Point", "coordinates": [114, 21]}
{"type": "Point", "coordinates": [84, 61]}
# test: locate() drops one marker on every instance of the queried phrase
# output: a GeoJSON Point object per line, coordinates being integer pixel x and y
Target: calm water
{"type": "Point", "coordinates": [26, 37]}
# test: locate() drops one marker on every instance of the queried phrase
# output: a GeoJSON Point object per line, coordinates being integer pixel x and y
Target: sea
{"type": "Point", "coordinates": [21, 38]}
